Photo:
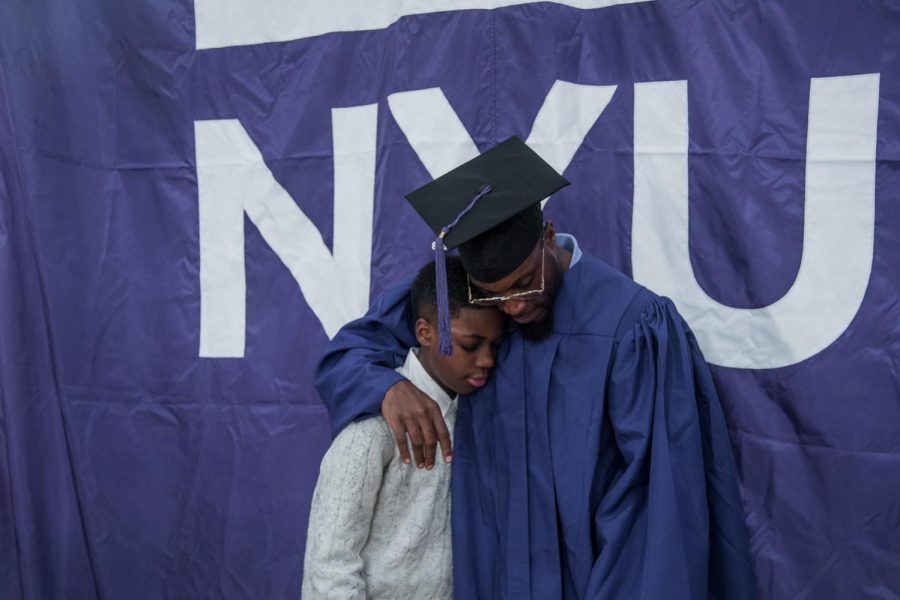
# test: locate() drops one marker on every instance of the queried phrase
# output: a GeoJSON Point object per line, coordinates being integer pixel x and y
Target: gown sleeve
{"type": "Point", "coordinates": [670, 523]}
{"type": "Point", "coordinates": [357, 368]}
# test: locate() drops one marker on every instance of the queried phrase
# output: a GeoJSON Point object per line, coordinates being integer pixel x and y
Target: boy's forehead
{"type": "Point", "coordinates": [476, 317]}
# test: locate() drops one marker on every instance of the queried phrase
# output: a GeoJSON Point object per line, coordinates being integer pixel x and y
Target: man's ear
{"type": "Point", "coordinates": [425, 333]}
{"type": "Point", "coordinates": [549, 234]}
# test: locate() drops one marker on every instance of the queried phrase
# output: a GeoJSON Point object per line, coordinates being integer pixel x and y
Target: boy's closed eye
{"type": "Point", "coordinates": [474, 342]}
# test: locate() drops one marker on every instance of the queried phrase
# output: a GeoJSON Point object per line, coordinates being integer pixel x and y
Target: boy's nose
{"type": "Point", "coordinates": [485, 359]}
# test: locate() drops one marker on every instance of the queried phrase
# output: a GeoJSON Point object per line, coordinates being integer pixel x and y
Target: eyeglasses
{"type": "Point", "coordinates": [497, 300]}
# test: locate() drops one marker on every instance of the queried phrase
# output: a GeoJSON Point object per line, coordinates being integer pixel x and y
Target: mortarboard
{"type": "Point", "coordinates": [489, 208]}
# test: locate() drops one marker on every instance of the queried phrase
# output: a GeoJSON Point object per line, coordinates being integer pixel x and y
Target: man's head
{"type": "Point", "coordinates": [527, 292]}
{"type": "Point", "coordinates": [476, 331]}
{"type": "Point", "coordinates": [490, 209]}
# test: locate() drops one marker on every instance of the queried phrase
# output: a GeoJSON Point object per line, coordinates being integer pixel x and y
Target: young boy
{"type": "Point", "coordinates": [379, 528]}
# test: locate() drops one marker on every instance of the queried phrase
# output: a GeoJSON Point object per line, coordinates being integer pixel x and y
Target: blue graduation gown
{"type": "Point", "coordinates": [595, 463]}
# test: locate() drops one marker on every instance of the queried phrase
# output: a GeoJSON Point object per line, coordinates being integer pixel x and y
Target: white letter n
{"type": "Point", "coordinates": [232, 179]}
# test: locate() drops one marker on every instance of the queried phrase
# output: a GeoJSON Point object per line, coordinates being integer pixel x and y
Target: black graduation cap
{"type": "Point", "coordinates": [519, 179]}
{"type": "Point", "coordinates": [489, 208]}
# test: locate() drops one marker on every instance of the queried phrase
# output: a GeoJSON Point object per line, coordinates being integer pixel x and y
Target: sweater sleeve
{"type": "Point", "coordinates": [343, 504]}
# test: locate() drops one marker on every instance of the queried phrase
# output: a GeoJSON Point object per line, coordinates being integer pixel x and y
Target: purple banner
{"type": "Point", "coordinates": [196, 197]}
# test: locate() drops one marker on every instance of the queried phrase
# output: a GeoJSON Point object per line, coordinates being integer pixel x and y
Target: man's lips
{"type": "Point", "coordinates": [532, 315]}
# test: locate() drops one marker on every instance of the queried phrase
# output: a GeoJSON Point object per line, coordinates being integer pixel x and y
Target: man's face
{"type": "Point", "coordinates": [476, 334]}
{"type": "Point", "coordinates": [529, 310]}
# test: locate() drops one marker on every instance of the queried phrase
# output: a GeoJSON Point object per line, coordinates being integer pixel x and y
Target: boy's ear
{"type": "Point", "coordinates": [425, 333]}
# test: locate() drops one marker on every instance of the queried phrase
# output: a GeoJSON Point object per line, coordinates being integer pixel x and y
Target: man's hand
{"type": "Point", "coordinates": [408, 410]}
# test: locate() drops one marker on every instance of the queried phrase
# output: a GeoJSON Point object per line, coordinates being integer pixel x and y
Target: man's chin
{"type": "Point", "coordinates": [539, 329]}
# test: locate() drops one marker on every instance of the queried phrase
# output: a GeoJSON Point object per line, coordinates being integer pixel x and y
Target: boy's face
{"type": "Point", "coordinates": [476, 336]}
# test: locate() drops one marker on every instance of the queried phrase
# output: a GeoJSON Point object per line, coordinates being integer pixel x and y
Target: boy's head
{"type": "Point", "coordinates": [475, 331]}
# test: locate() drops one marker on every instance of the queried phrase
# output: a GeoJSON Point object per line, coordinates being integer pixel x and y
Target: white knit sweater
{"type": "Point", "coordinates": [379, 528]}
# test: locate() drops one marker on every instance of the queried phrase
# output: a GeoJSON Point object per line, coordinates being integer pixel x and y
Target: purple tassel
{"type": "Point", "coordinates": [443, 308]}
{"type": "Point", "coordinates": [440, 272]}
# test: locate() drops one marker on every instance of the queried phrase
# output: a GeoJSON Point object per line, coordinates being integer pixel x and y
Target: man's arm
{"type": "Point", "coordinates": [670, 523]}
{"type": "Point", "coordinates": [356, 377]}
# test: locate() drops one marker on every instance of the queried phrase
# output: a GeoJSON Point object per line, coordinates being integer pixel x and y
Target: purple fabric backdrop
{"type": "Point", "coordinates": [132, 467]}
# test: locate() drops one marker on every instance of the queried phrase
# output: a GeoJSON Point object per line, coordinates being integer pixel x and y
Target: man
{"type": "Point", "coordinates": [596, 462]}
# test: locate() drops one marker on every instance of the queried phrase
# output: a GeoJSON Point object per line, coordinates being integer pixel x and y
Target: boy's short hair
{"type": "Point", "coordinates": [423, 293]}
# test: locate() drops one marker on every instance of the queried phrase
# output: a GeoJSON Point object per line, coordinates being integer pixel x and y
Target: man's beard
{"type": "Point", "coordinates": [538, 330]}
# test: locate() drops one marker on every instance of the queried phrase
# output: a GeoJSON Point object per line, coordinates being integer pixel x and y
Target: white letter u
{"type": "Point", "coordinates": [838, 225]}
